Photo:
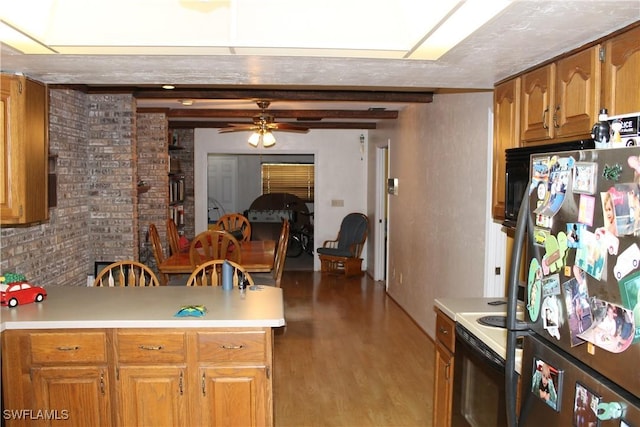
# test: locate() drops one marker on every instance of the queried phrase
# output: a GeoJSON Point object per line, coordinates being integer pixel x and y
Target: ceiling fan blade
{"type": "Point", "coordinates": [287, 127]}
{"type": "Point", "coordinates": [238, 127]}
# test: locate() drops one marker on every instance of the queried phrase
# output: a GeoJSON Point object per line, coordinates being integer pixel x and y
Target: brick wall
{"type": "Point", "coordinates": [112, 177]}
{"type": "Point", "coordinates": [153, 169]}
{"type": "Point", "coordinates": [57, 253]}
{"type": "Point", "coordinates": [103, 149]}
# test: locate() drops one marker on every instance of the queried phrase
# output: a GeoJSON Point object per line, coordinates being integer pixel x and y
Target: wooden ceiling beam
{"type": "Point", "coordinates": [286, 95]}
{"type": "Point", "coordinates": [192, 124]}
{"type": "Point", "coordinates": [282, 114]}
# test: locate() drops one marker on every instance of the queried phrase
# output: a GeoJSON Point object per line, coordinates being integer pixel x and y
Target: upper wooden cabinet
{"type": "Point", "coordinates": [536, 102]}
{"type": "Point", "coordinates": [561, 100]}
{"type": "Point", "coordinates": [23, 150]}
{"type": "Point", "coordinates": [578, 82]}
{"type": "Point", "coordinates": [621, 87]}
{"type": "Point", "coordinates": [506, 134]}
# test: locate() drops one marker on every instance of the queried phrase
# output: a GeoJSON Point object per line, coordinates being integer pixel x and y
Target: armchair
{"type": "Point", "coordinates": [343, 253]}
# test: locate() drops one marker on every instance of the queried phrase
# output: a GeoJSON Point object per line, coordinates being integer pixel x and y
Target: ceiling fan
{"type": "Point", "coordinates": [262, 127]}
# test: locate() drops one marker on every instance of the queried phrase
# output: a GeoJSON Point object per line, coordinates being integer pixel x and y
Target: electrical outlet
{"type": "Point", "coordinates": [401, 278]}
{"type": "Point", "coordinates": [337, 203]}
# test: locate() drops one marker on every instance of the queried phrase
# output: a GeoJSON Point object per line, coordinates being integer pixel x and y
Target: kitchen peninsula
{"type": "Point", "coordinates": [120, 356]}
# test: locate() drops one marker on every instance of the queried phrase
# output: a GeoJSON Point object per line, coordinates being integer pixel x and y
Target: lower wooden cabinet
{"type": "Point", "coordinates": [152, 396]}
{"type": "Point", "coordinates": [70, 395]}
{"type": "Point", "coordinates": [443, 379]}
{"type": "Point", "coordinates": [233, 396]}
{"type": "Point", "coordinates": [443, 375]}
{"type": "Point", "coordinates": [139, 377]}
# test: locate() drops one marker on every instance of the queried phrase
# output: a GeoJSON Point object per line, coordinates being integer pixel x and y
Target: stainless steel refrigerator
{"type": "Point", "coordinates": [578, 235]}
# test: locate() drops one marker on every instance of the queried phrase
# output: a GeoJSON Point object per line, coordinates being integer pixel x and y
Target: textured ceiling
{"type": "Point", "coordinates": [525, 34]}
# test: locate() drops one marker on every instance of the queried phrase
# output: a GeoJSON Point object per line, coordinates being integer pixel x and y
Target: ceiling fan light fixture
{"type": "Point", "coordinates": [268, 139]}
{"type": "Point", "coordinates": [254, 139]}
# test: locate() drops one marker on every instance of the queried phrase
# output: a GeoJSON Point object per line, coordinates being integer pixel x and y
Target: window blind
{"type": "Point", "coordinates": [292, 178]}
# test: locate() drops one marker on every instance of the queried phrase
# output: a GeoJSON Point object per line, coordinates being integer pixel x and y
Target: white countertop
{"type": "Point", "coordinates": [454, 307]}
{"type": "Point", "coordinates": [467, 311]}
{"type": "Point", "coordinates": [148, 307]}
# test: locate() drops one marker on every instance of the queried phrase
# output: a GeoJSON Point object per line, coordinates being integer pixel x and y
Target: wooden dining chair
{"type": "Point", "coordinates": [214, 244]}
{"type": "Point", "coordinates": [210, 274]}
{"type": "Point", "coordinates": [274, 277]}
{"type": "Point", "coordinates": [126, 273]}
{"type": "Point", "coordinates": [236, 224]}
{"type": "Point", "coordinates": [158, 253]}
{"type": "Point", "coordinates": [173, 236]}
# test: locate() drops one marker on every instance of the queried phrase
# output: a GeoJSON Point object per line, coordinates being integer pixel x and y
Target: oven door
{"type": "Point", "coordinates": [478, 383]}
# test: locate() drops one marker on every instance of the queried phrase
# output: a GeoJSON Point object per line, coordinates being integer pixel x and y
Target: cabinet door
{"type": "Point", "coordinates": [24, 151]}
{"type": "Point", "coordinates": [152, 396]}
{"type": "Point", "coordinates": [234, 396]}
{"type": "Point", "coordinates": [443, 379]}
{"type": "Point", "coordinates": [506, 120]}
{"type": "Point", "coordinates": [9, 113]}
{"type": "Point", "coordinates": [536, 112]}
{"type": "Point", "coordinates": [72, 395]}
{"type": "Point", "coordinates": [621, 87]}
{"type": "Point", "coordinates": [577, 94]}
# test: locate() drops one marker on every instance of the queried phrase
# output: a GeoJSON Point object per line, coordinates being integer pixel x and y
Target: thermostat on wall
{"type": "Point", "coordinates": [392, 186]}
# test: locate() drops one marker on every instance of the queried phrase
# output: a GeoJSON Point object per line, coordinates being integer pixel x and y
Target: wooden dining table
{"type": "Point", "coordinates": [257, 256]}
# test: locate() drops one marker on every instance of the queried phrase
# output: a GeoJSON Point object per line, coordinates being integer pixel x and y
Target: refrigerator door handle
{"type": "Point", "coordinates": [513, 326]}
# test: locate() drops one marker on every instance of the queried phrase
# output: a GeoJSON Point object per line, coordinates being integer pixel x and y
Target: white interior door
{"type": "Point", "coordinates": [380, 226]}
{"type": "Point", "coordinates": [222, 181]}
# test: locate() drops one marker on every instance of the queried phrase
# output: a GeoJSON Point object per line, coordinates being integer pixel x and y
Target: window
{"type": "Point", "coordinates": [292, 178]}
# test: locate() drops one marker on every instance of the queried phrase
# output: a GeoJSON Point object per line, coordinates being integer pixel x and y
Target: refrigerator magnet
{"type": "Point", "coordinates": [546, 383]}
{"type": "Point", "coordinates": [613, 326]}
{"type": "Point", "coordinates": [585, 176]}
{"type": "Point", "coordinates": [577, 306]}
{"type": "Point", "coordinates": [586, 208]}
{"type": "Point", "coordinates": [574, 230]}
{"type": "Point", "coordinates": [630, 296]}
{"type": "Point", "coordinates": [534, 289]}
{"type": "Point", "coordinates": [585, 406]}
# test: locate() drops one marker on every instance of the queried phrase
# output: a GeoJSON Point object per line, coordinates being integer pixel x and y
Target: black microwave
{"type": "Point", "coordinates": [517, 172]}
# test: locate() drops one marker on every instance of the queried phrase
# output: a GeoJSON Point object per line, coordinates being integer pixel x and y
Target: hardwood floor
{"type": "Point", "coordinates": [349, 356]}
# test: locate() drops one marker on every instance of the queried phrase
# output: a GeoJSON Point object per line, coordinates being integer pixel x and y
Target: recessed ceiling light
{"type": "Point", "coordinates": [168, 87]}
{"type": "Point", "coordinates": [186, 102]}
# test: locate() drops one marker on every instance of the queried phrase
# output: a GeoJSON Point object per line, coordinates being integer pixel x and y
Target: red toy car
{"type": "Point", "coordinates": [21, 292]}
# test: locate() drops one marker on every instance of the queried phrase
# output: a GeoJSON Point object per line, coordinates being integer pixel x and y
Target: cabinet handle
{"type": "Point", "coordinates": [544, 118]}
{"type": "Point", "coordinates": [180, 383]}
{"type": "Point", "coordinates": [447, 372]}
{"type": "Point", "coordinates": [555, 117]}
{"type": "Point", "coordinates": [102, 383]}
{"type": "Point", "coordinates": [69, 348]}
{"type": "Point", "coordinates": [443, 331]}
{"type": "Point", "coordinates": [231, 347]}
{"type": "Point", "coordinates": [150, 347]}
{"type": "Point", "coordinates": [204, 384]}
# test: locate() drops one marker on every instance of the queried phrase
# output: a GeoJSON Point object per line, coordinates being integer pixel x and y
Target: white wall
{"type": "Point", "coordinates": [341, 172]}
{"type": "Point", "coordinates": [438, 221]}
